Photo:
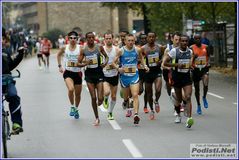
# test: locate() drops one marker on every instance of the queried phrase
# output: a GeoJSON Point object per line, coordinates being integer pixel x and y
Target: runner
{"type": "Point", "coordinates": [129, 76]}
{"type": "Point", "coordinates": [181, 77]}
{"type": "Point", "coordinates": [46, 45]}
{"type": "Point", "coordinates": [153, 53]}
{"type": "Point", "coordinates": [122, 38]}
{"type": "Point", "coordinates": [111, 77]}
{"type": "Point", "coordinates": [142, 42]}
{"type": "Point", "coordinates": [39, 54]}
{"type": "Point", "coordinates": [94, 75]}
{"type": "Point", "coordinates": [167, 71]}
{"type": "Point", "coordinates": [201, 70]}
{"type": "Point", "coordinates": [124, 105]}
{"type": "Point", "coordinates": [72, 73]}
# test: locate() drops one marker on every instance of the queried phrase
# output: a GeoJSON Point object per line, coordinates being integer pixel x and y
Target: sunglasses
{"type": "Point", "coordinates": [73, 37]}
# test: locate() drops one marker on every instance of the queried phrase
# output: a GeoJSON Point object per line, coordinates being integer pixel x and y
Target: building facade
{"type": "Point", "coordinates": [88, 16]}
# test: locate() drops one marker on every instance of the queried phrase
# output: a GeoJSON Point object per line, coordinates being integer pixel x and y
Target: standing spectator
{"type": "Point", "coordinates": [30, 45]}
{"type": "Point", "coordinates": [14, 41]}
{"type": "Point", "coordinates": [204, 39]}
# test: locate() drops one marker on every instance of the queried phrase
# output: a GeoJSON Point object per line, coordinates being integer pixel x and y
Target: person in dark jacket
{"type": "Point", "coordinates": [8, 64]}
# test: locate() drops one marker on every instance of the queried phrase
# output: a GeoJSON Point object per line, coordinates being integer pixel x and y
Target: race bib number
{"type": "Point", "coordinates": [130, 70]}
{"type": "Point", "coordinates": [110, 71]}
{"type": "Point", "coordinates": [93, 61]}
{"type": "Point", "coordinates": [109, 67]}
{"type": "Point", "coordinates": [185, 63]}
{"type": "Point", "coordinates": [72, 64]}
{"type": "Point", "coordinates": [153, 59]}
{"type": "Point", "coordinates": [45, 49]}
{"type": "Point", "coordinates": [200, 62]}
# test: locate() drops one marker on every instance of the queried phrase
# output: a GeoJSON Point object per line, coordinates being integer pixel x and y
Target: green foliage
{"type": "Point", "coordinates": [168, 17]}
{"type": "Point", "coordinates": [53, 35]}
{"type": "Point", "coordinates": [165, 17]}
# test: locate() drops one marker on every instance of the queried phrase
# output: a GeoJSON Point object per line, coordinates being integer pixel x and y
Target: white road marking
{"type": "Point", "coordinates": [84, 83]}
{"type": "Point", "coordinates": [114, 124]}
{"type": "Point", "coordinates": [87, 89]}
{"type": "Point", "coordinates": [132, 148]}
{"type": "Point", "coordinates": [215, 95]}
{"type": "Point", "coordinates": [212, 94]}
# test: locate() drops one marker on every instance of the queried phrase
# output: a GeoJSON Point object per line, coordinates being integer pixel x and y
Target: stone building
{"type": "Point", "coordinates": [88, 16]}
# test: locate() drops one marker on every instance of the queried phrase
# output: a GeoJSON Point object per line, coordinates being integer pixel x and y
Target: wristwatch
{"type": "Point", "coordinates": [59, 65]}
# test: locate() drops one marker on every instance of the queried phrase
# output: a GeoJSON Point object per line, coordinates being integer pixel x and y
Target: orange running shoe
{"type": "Point", "coordinates": [146, 110]}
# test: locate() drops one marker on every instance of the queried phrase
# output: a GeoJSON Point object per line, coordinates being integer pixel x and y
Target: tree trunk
{"type": "Point", "coordinates": [235, 40]}
{"type": "Point", "coordinates": [215, 42]}
{"type": "Point", "coordinates": [146, 20]}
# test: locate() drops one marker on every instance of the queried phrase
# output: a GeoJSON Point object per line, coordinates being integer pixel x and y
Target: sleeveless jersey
{"type": "Point", "coordinates": [128, 61]}
{"type": "Point", "coordinates": [153, 57]}
{"type": "Point", "coordinates": [202, 59]}
{"type": "Point", "coordinates": [183, 58]}
{"type": "Point", "coordinates": [71, 58]}
{"type": "Point", "coordinates": [45, 46]}
{"type": "Point", "coordinates": [108, 70]}
{"type": "Point", "coordinates": [94, 56]}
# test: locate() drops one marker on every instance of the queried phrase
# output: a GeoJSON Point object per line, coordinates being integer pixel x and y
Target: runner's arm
{"type": "Point", "coordinates": [115, 65]}
{"type": "Point", "coordinates": [105, 55]}
{"type": "Point", "coordinates": [164, 56]}
{"type": "Point", "coordinates": [116, 60]}
{"type": "Point", "coordinates": [141, 58]}
{"type": "Point", "coordinates": [81, 56]}
{"type": "Point", "coordinates": [59, 56]}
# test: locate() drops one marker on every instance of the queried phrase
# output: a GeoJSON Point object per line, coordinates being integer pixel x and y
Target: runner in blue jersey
{"type": "Point", "coordinates": [128, 58]}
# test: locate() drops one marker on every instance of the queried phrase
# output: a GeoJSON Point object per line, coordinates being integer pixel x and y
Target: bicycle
{"type": "Point", "coordinates": [6, 134]}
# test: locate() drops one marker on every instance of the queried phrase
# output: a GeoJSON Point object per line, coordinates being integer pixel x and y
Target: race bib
{"type": "Point", "coordinates": [93, 61]}
{"type": "Point", "coordinates": [45, 49]}
{"type": "Point", "coordinates": [185, 63]}
{"type": "Point", "coordinates": [110, 71]}
{"type": "Point", "coordinates": [200, 62]}
{"type": "Point", "coordinates": [153, 59]}
{"type": "Point", "coordinates": [130, 70]}
{"type": "Point", "coordinates": [72, 64]}
{"type": "Point", "coordinates": [109, 67]}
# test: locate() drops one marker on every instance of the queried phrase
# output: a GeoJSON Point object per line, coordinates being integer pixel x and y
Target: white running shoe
{"type": "Point", "coordinates": [178, 119]}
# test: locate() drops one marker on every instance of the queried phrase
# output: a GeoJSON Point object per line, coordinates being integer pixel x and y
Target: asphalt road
{"type": "Point", "coordinates": [49, 131]}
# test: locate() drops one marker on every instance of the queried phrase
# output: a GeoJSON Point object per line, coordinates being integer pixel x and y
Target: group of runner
{"type": "Point", "coordinates": [139, 68]}
{"type": "Point", "coordinates": [43, 47]}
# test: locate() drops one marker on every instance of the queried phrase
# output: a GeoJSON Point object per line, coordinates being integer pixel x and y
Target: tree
{"type": "Point", "coordinates": [165, 17]}
{"type": "Point", "coordinates": [6, 8]}
{"type": "Point", "coordinates": [168, 17]}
